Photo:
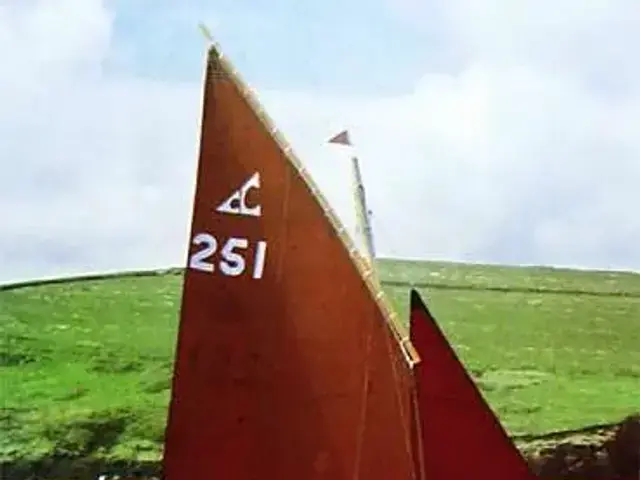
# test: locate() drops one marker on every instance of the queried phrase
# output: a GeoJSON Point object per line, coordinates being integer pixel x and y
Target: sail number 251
{"type": "Point", "coordinates": [230, 259]}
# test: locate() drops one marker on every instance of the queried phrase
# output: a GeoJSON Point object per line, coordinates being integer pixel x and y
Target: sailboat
{"type": "Point", "coordinates": [290, 362]}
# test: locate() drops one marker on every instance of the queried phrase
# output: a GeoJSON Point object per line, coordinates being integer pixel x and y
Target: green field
{"type": "Point", "coordinates": [85, 366]}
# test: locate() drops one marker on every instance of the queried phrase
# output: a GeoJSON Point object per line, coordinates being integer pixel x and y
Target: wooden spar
{"type": "Point", "coordinates": [363, 220]}
{"type": "Point", "coordinates": [289, 362]}
{"type": "Point", "coordinates": [362, 213]}
{"type": "Point", "coordinates": [206, 33]}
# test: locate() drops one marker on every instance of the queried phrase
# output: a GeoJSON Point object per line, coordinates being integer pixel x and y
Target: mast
{"type": "Point", "coordinates": [363, 214]}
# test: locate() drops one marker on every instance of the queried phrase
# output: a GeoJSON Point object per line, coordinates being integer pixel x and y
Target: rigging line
{"type": "Point", "coordinates": [283, 228]}
{"type": "Point", "coordinates": [391, 342]}
{"type": "Point", "coordinates": [363, 412]}
{"type": "Point", "coordinates": [417, 419]}
{"type": "Point", "coordinates": [381, 228]}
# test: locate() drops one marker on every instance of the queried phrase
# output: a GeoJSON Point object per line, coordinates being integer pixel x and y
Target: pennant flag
{"type": "Point", "coordinates": [341, 138]}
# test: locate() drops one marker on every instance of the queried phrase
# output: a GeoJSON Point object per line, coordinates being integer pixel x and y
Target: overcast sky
{"type": "Point", "coordinates": [489, 130]}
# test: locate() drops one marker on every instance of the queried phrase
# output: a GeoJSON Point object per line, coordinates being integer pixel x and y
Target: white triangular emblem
{"type": "Point", "coordinates": [236, 204]}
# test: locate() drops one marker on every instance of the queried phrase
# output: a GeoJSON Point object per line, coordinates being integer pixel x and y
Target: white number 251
{"type": "Point", "coordinates": [232, 263]}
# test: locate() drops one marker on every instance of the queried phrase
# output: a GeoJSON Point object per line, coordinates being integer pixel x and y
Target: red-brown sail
{"type": "Point", "coordinates": [460, 436]}
{"type": "Point", "coordinates": [288, 365]}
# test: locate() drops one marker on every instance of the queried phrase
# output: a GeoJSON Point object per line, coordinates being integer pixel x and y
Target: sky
{"type": "Point", "coordinates": [488, 131]}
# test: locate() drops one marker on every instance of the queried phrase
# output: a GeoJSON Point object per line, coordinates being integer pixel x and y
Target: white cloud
{"type": "Point", "coordinates": [95, 171]}
{"type": "Point", "coordinates": [527, 153]}
{"type": "Point", "coordinates": [506, 164]}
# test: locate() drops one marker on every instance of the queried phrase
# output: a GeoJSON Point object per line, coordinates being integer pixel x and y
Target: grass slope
{"type": "Point", "coordinates": [85, 366]}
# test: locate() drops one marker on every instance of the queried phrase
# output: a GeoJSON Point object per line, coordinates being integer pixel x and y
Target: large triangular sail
{"type": "Point", "coordinates": [460, 437]}
{"type": "Point", "coordinates": [289, 362]}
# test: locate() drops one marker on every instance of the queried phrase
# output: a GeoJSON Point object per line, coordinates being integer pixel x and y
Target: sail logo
{"type": "Point", "coordinates": [236, 203]}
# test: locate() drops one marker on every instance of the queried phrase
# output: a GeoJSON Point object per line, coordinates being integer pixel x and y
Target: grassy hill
{"type": "Point", "coordinates": [85, 366]}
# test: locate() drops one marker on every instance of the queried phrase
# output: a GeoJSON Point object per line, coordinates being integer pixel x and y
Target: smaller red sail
{"type": "Point", "coordinates": [460, 437]}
